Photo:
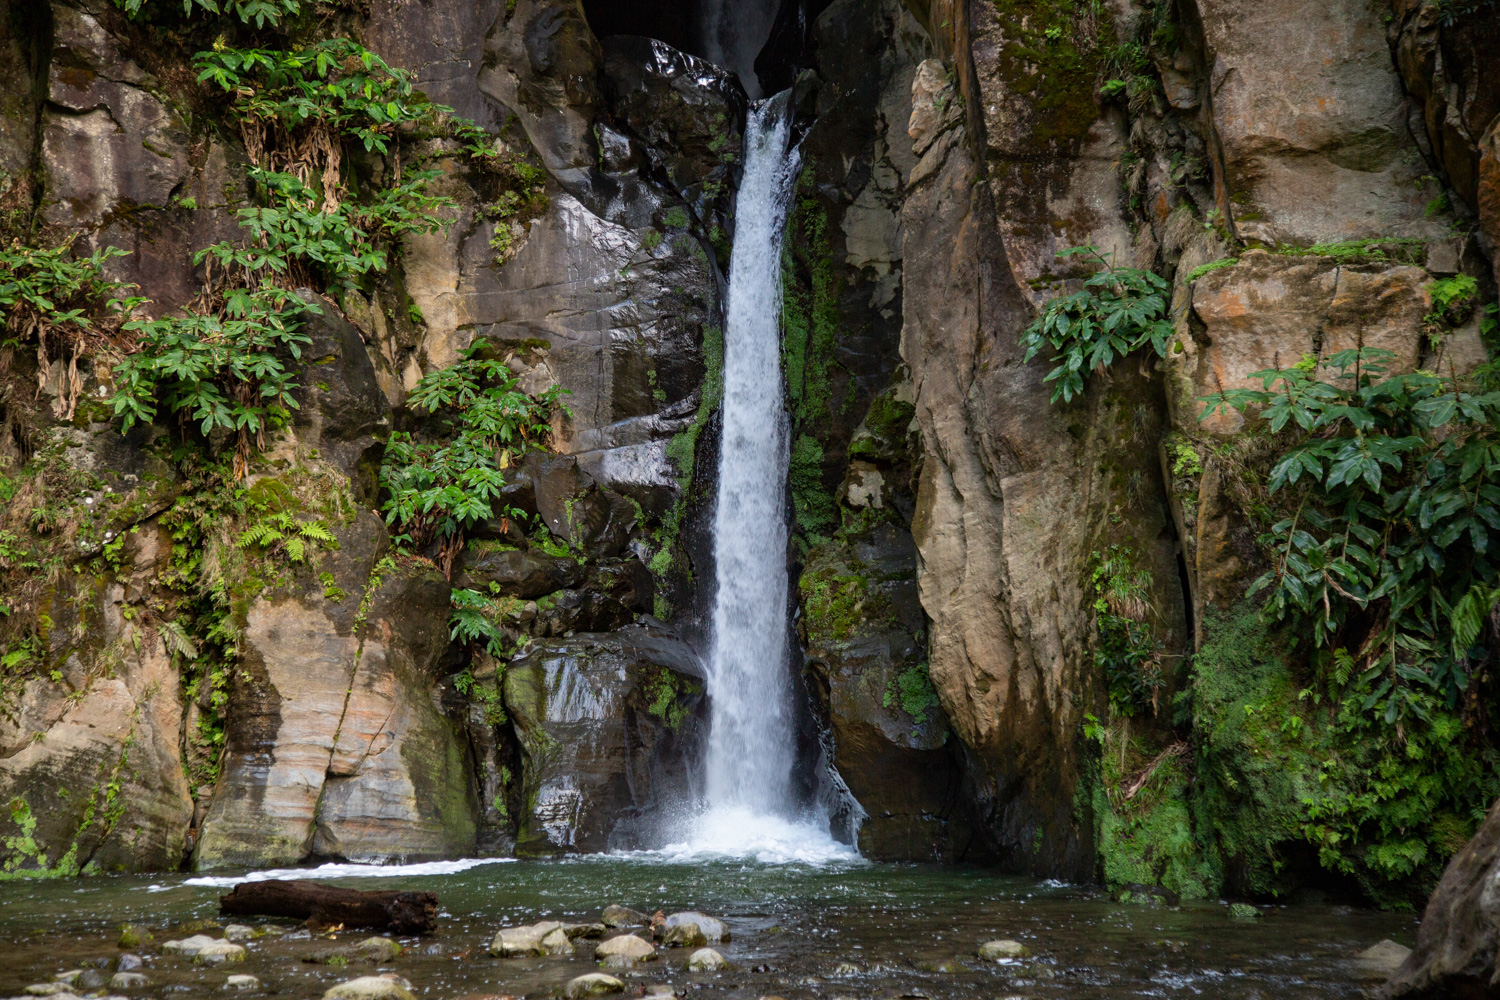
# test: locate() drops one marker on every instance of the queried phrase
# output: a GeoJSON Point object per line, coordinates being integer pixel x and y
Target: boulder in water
{"type": "Point", "coordinates": [127, 981]}
{"type": "Point", "coordinates": [544, 938]}
{"type": "Point", "coordinates": [47, 989]}
{"type": "Point", "coordinates": [239, 932]}
{"type": "Point", "coordinates": [1381, 959]}
{"type": "Point", "coordinates": [683, 936]}
{"type": "Point", "coordinates": [994, 951]}
{"type": "Point", "coordinates": [594, 984]}
{"type": "Point", "coordinates": [625, 951]}
{"type": "Point", "coordinates": [1243, 911]}
{"type": "Point", "coordinates": [713, 928]}
{"type": "Point", "coordinates": [575, 931]}
{"type": "Point", "coordinates": [623, 916]}
{"type": "Point", "coordinates": [386, 987]}
{"type": "Point", "coordinates": [133, 936]}
{"type": "Point", "coordinates": [376, 949]}
{"type": "Point", "coordinates": [706, 960]}
{"type": "Point", "coordinates": [242, 982]}
{"type": "Point", "coordinates": [129, 962]}
{"type": "Point", "coordinates": [189, 946]}
{"type": "Point", "coordinates": [219, 952]}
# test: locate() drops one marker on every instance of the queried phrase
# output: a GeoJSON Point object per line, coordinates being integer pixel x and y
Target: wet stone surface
{"type": "Point", "coordinates": [796, 931]}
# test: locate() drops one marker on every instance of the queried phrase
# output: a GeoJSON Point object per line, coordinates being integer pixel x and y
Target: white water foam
{"type": "Point", "coordinates": [748, 806]}
{"type": "Point", "coordinates": [344, 870]}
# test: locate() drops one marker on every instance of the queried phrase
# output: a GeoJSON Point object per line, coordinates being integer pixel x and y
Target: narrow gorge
{"type": "Point", "coordinates": [1032, 463]}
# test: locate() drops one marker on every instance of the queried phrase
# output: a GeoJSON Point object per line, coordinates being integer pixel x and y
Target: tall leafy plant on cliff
{"type": "Point", "coordinates": [1119, 310]}
{"type": "Point", "coordinates": [440, 490]}
{"type": "Point", "coordinates": [1389, 543]}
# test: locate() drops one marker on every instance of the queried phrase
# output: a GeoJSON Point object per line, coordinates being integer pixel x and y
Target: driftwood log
{"type": "Point", "coordinates": [400, 912]}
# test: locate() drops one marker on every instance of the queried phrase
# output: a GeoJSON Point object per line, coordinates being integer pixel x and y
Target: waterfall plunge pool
{"type": "Point", "coordinates": [843, 929]}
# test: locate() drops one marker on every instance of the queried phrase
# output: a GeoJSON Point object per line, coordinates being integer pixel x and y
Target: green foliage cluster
{"type": "Point", "coordinates": [810, 308]}
{"type": "Point", "coordinates": [224, 370]}
{"type": "Point", "coordinates": [337, 86]}
{"type": "Point", "coordinates": [440, 491]}
{"type": "Point", "coordinates": [43, 290]}
{"type": "Point", "coordinates": [812, 504]}
{"type": "Point", "coordinates": [1127, 652]}
{"type": "Point", "coordinates": [911, 690]}
{"type": "Point", "coordinates": [1118, 311]}
{"type": "Point", "coordinates": [296, 229]}
{"type": "Point", "coordinates": [666, 693]}
{"type": "Point", "coordinates": [1391, 497]}
{"type": "Point", "coordinates": [472, 622]}
{"type": "Point", "coordinates": [259, 11]}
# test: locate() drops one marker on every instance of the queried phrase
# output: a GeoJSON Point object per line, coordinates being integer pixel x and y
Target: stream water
{"type": "Point", "coordinates": [803, 932]}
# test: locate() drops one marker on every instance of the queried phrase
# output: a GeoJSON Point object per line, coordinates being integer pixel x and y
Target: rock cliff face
{"type": "Point", "coordinates": [182, 685]}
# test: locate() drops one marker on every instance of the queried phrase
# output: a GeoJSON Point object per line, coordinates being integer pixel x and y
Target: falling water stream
{"type": "Point", "coordinates": [748, 807]}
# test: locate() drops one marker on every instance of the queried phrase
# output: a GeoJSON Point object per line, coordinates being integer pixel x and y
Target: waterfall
{"type": "Point", "coordinates": [749, 808]}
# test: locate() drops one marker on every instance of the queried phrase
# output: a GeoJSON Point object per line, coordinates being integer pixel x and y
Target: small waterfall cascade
{"type": "Point", "coordinates": [749, 808]}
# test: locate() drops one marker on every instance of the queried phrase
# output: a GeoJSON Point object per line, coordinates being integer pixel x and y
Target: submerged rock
{"type": "Point", "coordinates": [134, 935]}
{"type": "Point", "coordinates": [706, 960]}
{"type": "Point", "coordinates": [386, 987]}
{"type": "Point", "coordinates": [594, 984]}
{"type": "Point", "coordinates": [242, 982]}
{"type": "Point", "coordinates": [1381, 959]}
{"type": "Point", "coordinates": [584, 930]}
{"type": "Point", "coordinates": [128, 962]}
{"type": "Point", "coordinates": [127, 981]}
{"type": "Point", "coordinates": [239, 932]}
{"type": "Point", "coordinates": [377, 949]}
{"type": "Point", "coordinates": [625, 950]}
{"type": "Point", "coordinates": [994, 951]}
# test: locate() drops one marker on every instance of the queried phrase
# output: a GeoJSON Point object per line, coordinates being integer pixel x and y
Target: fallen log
{"type": "Point", "coordinates": [400, 912]}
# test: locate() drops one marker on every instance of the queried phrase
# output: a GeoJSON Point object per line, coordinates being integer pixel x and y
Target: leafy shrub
{"type": "Point", "coordinates": [471, 622]}
{"type": "Point", "coordinates": [440, 491]}
{"type": "Point", "coordinates": [259, 11]}
{"type": "Point", "coordinates": [1127, 651]}
{"type": "Point", "coordinates": [64, 304]}
{"type": "Point", "coordinates": [297, 226]}
{"type": "Point", "coordinates": [225, 370]}
{"type": "Point", "coordinates": [1118, 311]}
{"type": "Point", "coordinates": [1391, 497]}
{"type": "Point", "coordinates": [332, 88]}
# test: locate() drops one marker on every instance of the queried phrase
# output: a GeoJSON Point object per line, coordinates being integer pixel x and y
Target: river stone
{"type": "Point", "coordinates": [683, 936]}
{"type": "Point", "coordinates": [188, 947]}
{"type": "Point", "coordinates": [219, 952]}
{"type": "Point", "coordinates": [706, 960]}
{"type": "Point", "coordinates": [1382, 959]}
{"type": "Point", "coordinates": [67, 977]}
{"type": "Point", "coordinates": [133, 936]}
{"type": "Point", "coordinates": [712, 927]}
{"type": "Point", "coordinates": [623, 916]}
{"type": "Point", "coordinates": [377, 949]}
{"type": "Point", "coordinates": [625, 951]}
{"type": "Point", "coordinates": [129, 962]}
{"type": "Point", "coordinates": [126, 980]}
{"type": "Point", "coordinates": [594, 984]}
{"type": "Point", "coordinates": [993, 951]}
{"type": "Point", "coordinates": [513, 942]}
{"type": "Point", "coordinates": [1243, 911]}
{"type": "Point", "coordinates": [242, 982]}
{"type": "Point", "coordinates": [371, 988]}
{"type": "Point", "coordinates": [47, 989]}
{"type": "Point", "coordinates": [238, 932]}
{"type": "Point", "coordinates": [584, 930]}
{"type": "Point", "coordinates": [199, 926]}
